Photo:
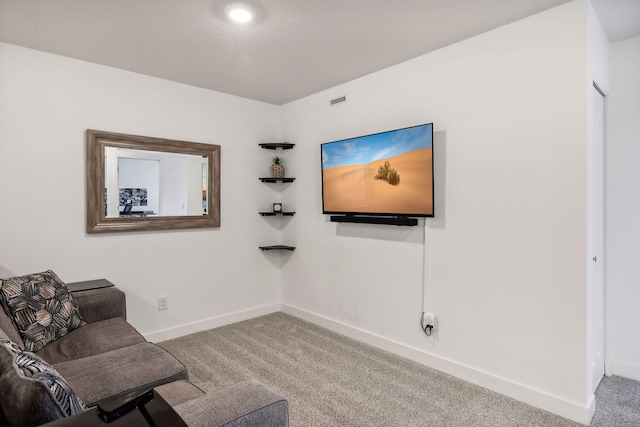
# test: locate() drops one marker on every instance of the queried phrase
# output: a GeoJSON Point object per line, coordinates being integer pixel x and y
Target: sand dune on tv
{"type": "Point", "coordinates": [354, 188]}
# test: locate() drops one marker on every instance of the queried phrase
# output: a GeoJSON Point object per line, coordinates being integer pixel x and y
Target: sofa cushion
{"type": "Point", "coordinates": [179, 392]}
{"type": "Point", "coordinates": [33, 393]}
{"type": "Point", "coordinates": [106, 374]}
{"type": "Point", "coordinates": [91, 339]}
{"type": "Point", "coordinates": [101, 303]}
{"type": "Point", "coordinates": [247, 403]}
{"type": "Point", "coordinates": [41, 307]}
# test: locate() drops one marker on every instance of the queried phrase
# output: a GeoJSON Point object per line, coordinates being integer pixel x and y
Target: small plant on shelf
{"type": "Point", "coordinates": [277, 168]}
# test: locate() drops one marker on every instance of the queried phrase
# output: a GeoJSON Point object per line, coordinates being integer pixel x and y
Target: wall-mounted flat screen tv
{"type": "Point", "coordinates": [388, 173]}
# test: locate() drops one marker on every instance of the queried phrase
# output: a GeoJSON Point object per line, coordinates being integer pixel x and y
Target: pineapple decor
{"type": "Point", "coordinates": [277, 168]}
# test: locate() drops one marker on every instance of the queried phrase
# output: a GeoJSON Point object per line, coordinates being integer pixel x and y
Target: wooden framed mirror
{"type": "Point", "coordinates": [138, 183]}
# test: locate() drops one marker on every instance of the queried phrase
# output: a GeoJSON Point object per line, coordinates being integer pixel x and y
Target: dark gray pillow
{"type": "Point", "coordinates": [41, 308]}
{"type": "Point", "coordinates": [33, 393]}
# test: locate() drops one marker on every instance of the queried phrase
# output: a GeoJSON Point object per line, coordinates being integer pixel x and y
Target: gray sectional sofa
{"type": "Point", "coordinates": [107, 356]}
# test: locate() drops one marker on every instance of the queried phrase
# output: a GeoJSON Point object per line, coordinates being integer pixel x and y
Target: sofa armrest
{"type": "Point", "coordinates": [244, 404]}
{"type": "Point", "coordinates": [101, 304]}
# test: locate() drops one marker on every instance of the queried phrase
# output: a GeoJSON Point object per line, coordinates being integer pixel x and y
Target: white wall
{"type": "Point", "coordinates": [506, 251]}
{"type": "Point", "coordinates": [622, 207]}
{"type": "Point", "coordinates": [46, 104]}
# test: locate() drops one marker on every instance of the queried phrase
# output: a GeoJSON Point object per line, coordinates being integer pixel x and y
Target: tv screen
{"type": "Point", "coordinates": [388, 173]}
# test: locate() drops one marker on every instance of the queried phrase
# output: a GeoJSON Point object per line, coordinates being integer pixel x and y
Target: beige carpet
{"type": "Point", "coordinates": [331, 380]}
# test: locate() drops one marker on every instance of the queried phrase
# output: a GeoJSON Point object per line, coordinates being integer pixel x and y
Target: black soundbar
{"type": "Point", "coordinates": [375, 220]}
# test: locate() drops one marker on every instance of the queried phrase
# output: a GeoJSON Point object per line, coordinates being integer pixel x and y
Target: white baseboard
{"type": "Point", "coordinates": [213, 322]}
{"type": "Point", "coordinates": [539, 399]}
{"type": "Point", "coordinates": [624, 369]}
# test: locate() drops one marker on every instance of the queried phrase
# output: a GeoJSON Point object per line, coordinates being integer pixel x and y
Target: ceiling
{"type": "Point", "coordinates": [293, 49]}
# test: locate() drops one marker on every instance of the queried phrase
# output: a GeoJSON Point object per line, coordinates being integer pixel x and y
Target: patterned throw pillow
{"type": "Point", "coordinates": [41, 307]}
{"type": "Point", "coordinates": [38, 393]}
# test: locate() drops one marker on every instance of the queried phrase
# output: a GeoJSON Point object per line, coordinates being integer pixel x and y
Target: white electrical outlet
{"type": "Point", "coordinates": [163, 302]}
{"type": "Point", "coordinates": [429, 319]}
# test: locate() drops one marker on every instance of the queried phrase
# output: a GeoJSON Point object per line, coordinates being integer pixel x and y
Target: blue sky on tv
{"type": "Point", "coordinates": [366, 149]}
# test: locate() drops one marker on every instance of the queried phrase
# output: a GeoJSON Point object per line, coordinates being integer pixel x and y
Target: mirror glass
{"type": "Point", "coordinates": [141, 183]}
{"type": "Point", "coordinates": [144, 183]}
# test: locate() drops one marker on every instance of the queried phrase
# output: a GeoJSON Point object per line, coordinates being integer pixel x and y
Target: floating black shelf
{"type": "Point", "coordinates": [276, 213]}
{"type": "Point", "coordinates": [277, 247]}
{"type": "Point", "coordinates": [276, 145]}
{"type": "Point", "coordinates": [277, 179]}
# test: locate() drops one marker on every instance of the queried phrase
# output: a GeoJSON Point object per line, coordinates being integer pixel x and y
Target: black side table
{"type": "Point", "coordinates": [161, 414]}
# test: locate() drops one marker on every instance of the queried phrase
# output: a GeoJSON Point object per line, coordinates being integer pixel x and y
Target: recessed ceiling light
{"type": "Point", "coordinates": [240, 12]}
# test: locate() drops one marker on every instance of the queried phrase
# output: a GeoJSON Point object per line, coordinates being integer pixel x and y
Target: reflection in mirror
{"type": "Point", "coordinates": [144, 183]}
{"type": "Point", "coordinates": [153, 183]}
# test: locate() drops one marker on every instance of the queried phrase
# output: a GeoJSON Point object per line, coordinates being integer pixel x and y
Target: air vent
{"type": "Point", "coordinates": [338, 100]}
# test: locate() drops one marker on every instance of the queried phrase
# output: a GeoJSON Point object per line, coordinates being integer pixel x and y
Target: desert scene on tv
{"type": "Point", "coordinates": [387, 173]}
